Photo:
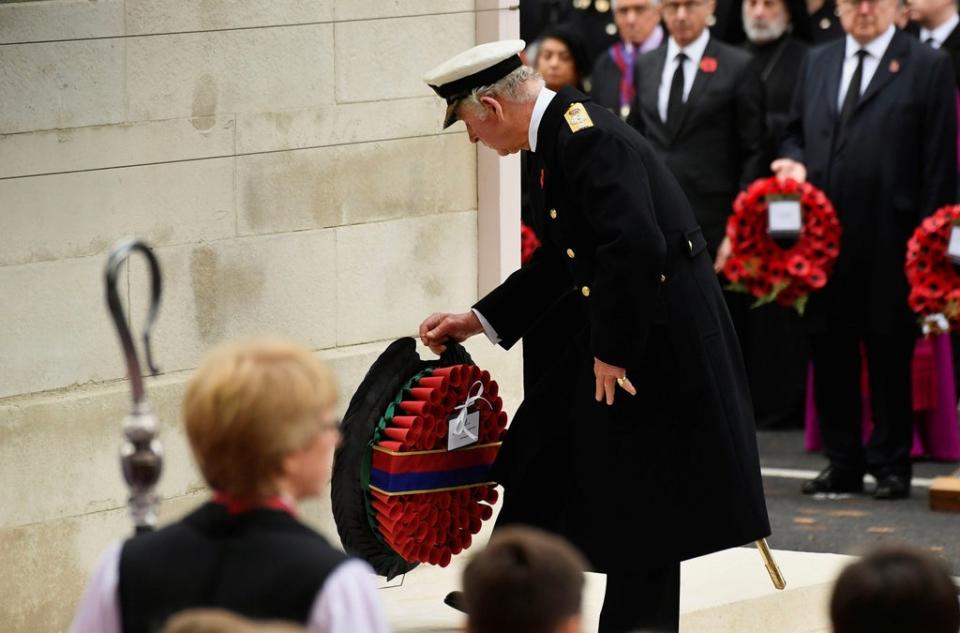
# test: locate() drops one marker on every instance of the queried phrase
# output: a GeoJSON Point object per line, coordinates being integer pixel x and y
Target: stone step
{"type": "Point", "coordinates": [725, 592]}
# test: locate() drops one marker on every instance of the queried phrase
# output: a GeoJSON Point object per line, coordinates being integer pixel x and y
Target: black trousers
{"type": "Point", "coordinates": [647, 602]}
{"type": "Point", "coordinates": [837, 367]}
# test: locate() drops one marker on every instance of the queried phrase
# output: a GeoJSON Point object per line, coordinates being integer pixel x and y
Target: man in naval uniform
{"type": "Point", "coordinates": [638, 444]}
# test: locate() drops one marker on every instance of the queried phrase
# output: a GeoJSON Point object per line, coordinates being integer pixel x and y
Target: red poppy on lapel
{"type": "Point", "coordinates": [894, 66]}
{"type": "Point", "coordinates": [541, 178]}
{"type": "Point", "coordinates": [708, 64]}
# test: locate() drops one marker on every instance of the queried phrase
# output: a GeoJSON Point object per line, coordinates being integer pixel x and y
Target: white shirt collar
{"type": "Point", "coordinates": [876, 47]}
{"type": "Point", "coordinates": [543, 100]}
{"type": "Point", "coordinates": [694, 50]}
{"type": "Point", "coordinates": [942, 32]}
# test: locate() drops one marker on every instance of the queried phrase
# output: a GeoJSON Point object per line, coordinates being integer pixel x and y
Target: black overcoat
{"type": "Point", "coordinates": [893, 165]}
{"type": "Point", "coordinates": [720, 146]}
{"type": "Point", "coordinates": [672, 473]}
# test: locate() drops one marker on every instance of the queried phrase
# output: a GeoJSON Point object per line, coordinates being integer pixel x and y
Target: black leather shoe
{"type": "Point", "coordinates": [455, 599]}
{"type": "Point", "coordinates": [892, 487]}
{"type": "Point", "coordinates": [834, 480]}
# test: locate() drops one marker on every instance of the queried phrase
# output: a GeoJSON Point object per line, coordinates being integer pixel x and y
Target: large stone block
{"type": "Point", "coordinates": [375, 60]}
{"type": "Point", "coordinates": [205, 74]}
{"type": "Point", "coordinates": [84, 213]}
{"type": "Point", "coordinates": [61, 84]}
{"type": "Point", "coordinates": [282, 285]}
{"type": "Point", "coordinates": [355, 183]}
{"type": "Point", "coordinates": [360, 10]}
{"type": "Point", "coordinates": [56, 331]}
{"type": "Point", "coordinates": [49, 564]}
{"type": "Point", "coordinates": [390, 275]}
{"type": "Point", "coordinates": [119, 145]}
{"type": "Point", "coordinates": [63, 20]}
{"type": "Point", "coordinates": [338, 124]}
{"type": "Point", "coordinates": [59, 453]}
{"type": "Point", "coordinates": [176, 16]}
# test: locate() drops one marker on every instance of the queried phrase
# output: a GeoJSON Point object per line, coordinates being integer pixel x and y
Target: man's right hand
{"type": "Point", "coordinates": [437, 328]}
{"type": "Point", "coordinates": [784, 168]}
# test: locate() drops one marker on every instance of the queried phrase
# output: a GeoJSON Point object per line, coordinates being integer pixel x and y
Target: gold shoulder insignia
{"type": "Point", "coordinates": [577, 117]}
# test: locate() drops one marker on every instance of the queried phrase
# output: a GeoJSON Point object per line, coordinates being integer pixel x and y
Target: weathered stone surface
{"type": "Point", "coordinates": [174, 16]}
{"type": "Point", "coordinates": [354, 10]}
{"type": "Point", "coordinates": [55, 327]}
{"type": "Point", "coordinates": [118, 145]}
{"type": "Point", "coordinates": [390, 275]}
{"type": "Point", "coordinates": [80, 214]}
{"type": "Point", "coordinates": [282, 285]}
{"type": "Point", "coordinates": [393, 69]}
{"type": "Point", "coordinates": [201, 75]}
{"type": "Point", "coordinates": [62, 20]}
{"type": "Point", "coordinates": [351, 184]}
{"type": "Point", "coordinates": [339, 124]}
{"type": "Point", "coordinates": [61, 85]}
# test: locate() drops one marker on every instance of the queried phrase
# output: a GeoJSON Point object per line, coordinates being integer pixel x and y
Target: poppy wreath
{"type": "Point", "coordinates": [934, 281]}
{"type": "Point", "coordinates": [400, 498]}
{"type": "Point", "coordinates": [761, 267]}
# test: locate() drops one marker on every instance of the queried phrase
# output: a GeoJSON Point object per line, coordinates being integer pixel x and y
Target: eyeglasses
{"type": "Point", "coordinates": [673, 8]}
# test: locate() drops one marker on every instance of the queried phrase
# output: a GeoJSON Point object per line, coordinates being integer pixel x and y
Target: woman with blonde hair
{"type": "Point", "coordinates": [261, 422]}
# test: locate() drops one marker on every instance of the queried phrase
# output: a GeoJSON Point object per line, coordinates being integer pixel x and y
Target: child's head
{"type": "Point", "coordinates": [525, 581]}
{"type": "Point", "coordinates": [261, 420]}
{"type": "Point", "coordinates": [894, 590]}
{"type": "Point", "coordinates": [219, 621]}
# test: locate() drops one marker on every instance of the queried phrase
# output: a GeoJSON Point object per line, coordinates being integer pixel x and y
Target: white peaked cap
{"type": "Point", "coordinates": [481, 65]}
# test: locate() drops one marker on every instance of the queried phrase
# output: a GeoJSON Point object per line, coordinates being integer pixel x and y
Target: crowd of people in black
{"type": "Point", "coordinates": [859, 98]}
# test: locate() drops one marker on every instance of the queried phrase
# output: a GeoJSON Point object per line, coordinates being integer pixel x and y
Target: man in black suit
{"type": "Point", "coordinates": [611, 82]}
{"type": "Point", "coordinates": [875, 127]}
{"type": "Point", "coordinates": [701, 106]}
{"type": "Point", "coordinates": [939, 28]}
{"type": "Point", "coordinates": [638, 445]}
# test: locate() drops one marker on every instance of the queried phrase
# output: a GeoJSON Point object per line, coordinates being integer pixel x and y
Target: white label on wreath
{"type": "Point", "coordinates": [784, 218]}
{"type": "Point", "coordinates": [463, 433]}
{"type": "Point", "coordinates": [953, 249]}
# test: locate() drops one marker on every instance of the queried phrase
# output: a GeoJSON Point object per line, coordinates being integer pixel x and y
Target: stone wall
{"type": "Point", "coordinates": [286, 161]}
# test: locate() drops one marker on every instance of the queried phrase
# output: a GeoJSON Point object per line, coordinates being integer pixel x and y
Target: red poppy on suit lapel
{"type": "Point", "coordinates": [708, 64]}
{"type": "Point", "coordinates": [894, 66]}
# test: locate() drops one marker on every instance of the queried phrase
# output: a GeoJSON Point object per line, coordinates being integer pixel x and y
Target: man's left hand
{"type": "Point", "coordinates": [608, 378]}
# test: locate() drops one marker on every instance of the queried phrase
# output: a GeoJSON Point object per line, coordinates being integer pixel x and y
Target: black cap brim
{"type": "Point", "coordinates": [451, 116]}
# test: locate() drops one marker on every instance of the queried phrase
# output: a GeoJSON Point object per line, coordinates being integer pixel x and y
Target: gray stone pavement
{"type": "Point", "coordinates": [850, 524]}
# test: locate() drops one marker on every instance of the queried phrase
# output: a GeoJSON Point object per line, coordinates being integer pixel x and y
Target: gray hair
{"type": "Point", "coordinates": [515, 88]}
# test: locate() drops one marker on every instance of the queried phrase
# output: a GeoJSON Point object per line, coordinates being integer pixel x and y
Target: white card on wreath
{"type": "Point", "coordinates": [784, 217]}
{"type": "Point", "coordinates": [953, 248]}
{"type": "Point", "coordinates": [469, 434]}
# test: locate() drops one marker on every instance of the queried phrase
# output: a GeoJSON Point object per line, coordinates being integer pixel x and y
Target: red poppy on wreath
{"type": "Point", "coordinates": [758, 265]}
{"type": "Point", "coordinates": [931, 272]}
{"type": "Point", "coordinates": [708, 64]}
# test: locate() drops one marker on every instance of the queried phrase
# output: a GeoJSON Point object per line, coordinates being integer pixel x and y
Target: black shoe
{"type": "Point", "coordinates": [455, 599]}
{"type": "Point", "coordinates": [834, 480]}
{"type": "Point", "coordinates": [892, 487]}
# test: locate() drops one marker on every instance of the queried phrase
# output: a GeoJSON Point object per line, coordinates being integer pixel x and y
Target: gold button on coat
{"type": "Point", "coordinates": [553, 214]}
{"type": "Point", "coordinates": [663, 278]}
{"type": "Point", "coordinates": [570, 253]}
{"type": "Point", "coordinates": [690, 245]}
{"type": "Point", "coordinates": [585, 291]}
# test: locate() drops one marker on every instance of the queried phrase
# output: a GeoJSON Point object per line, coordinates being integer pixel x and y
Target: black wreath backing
{"type": "Point", "coordinates": [395, 366]}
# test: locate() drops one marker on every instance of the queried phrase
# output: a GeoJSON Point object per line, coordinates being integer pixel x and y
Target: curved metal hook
{"type": "Point", "coordinates": [119, 254]}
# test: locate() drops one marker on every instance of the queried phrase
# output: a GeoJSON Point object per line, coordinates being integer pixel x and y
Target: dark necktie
{"type": "Point", "coordinates": [675, 101]}
{"type": "Point", "coordinates": [853, 90]}
{"type": "Point", "coordinates": [931, 42]}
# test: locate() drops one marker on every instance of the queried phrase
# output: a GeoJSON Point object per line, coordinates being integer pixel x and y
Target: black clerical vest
{"type": "Point", "coordinates": [262, 564]}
